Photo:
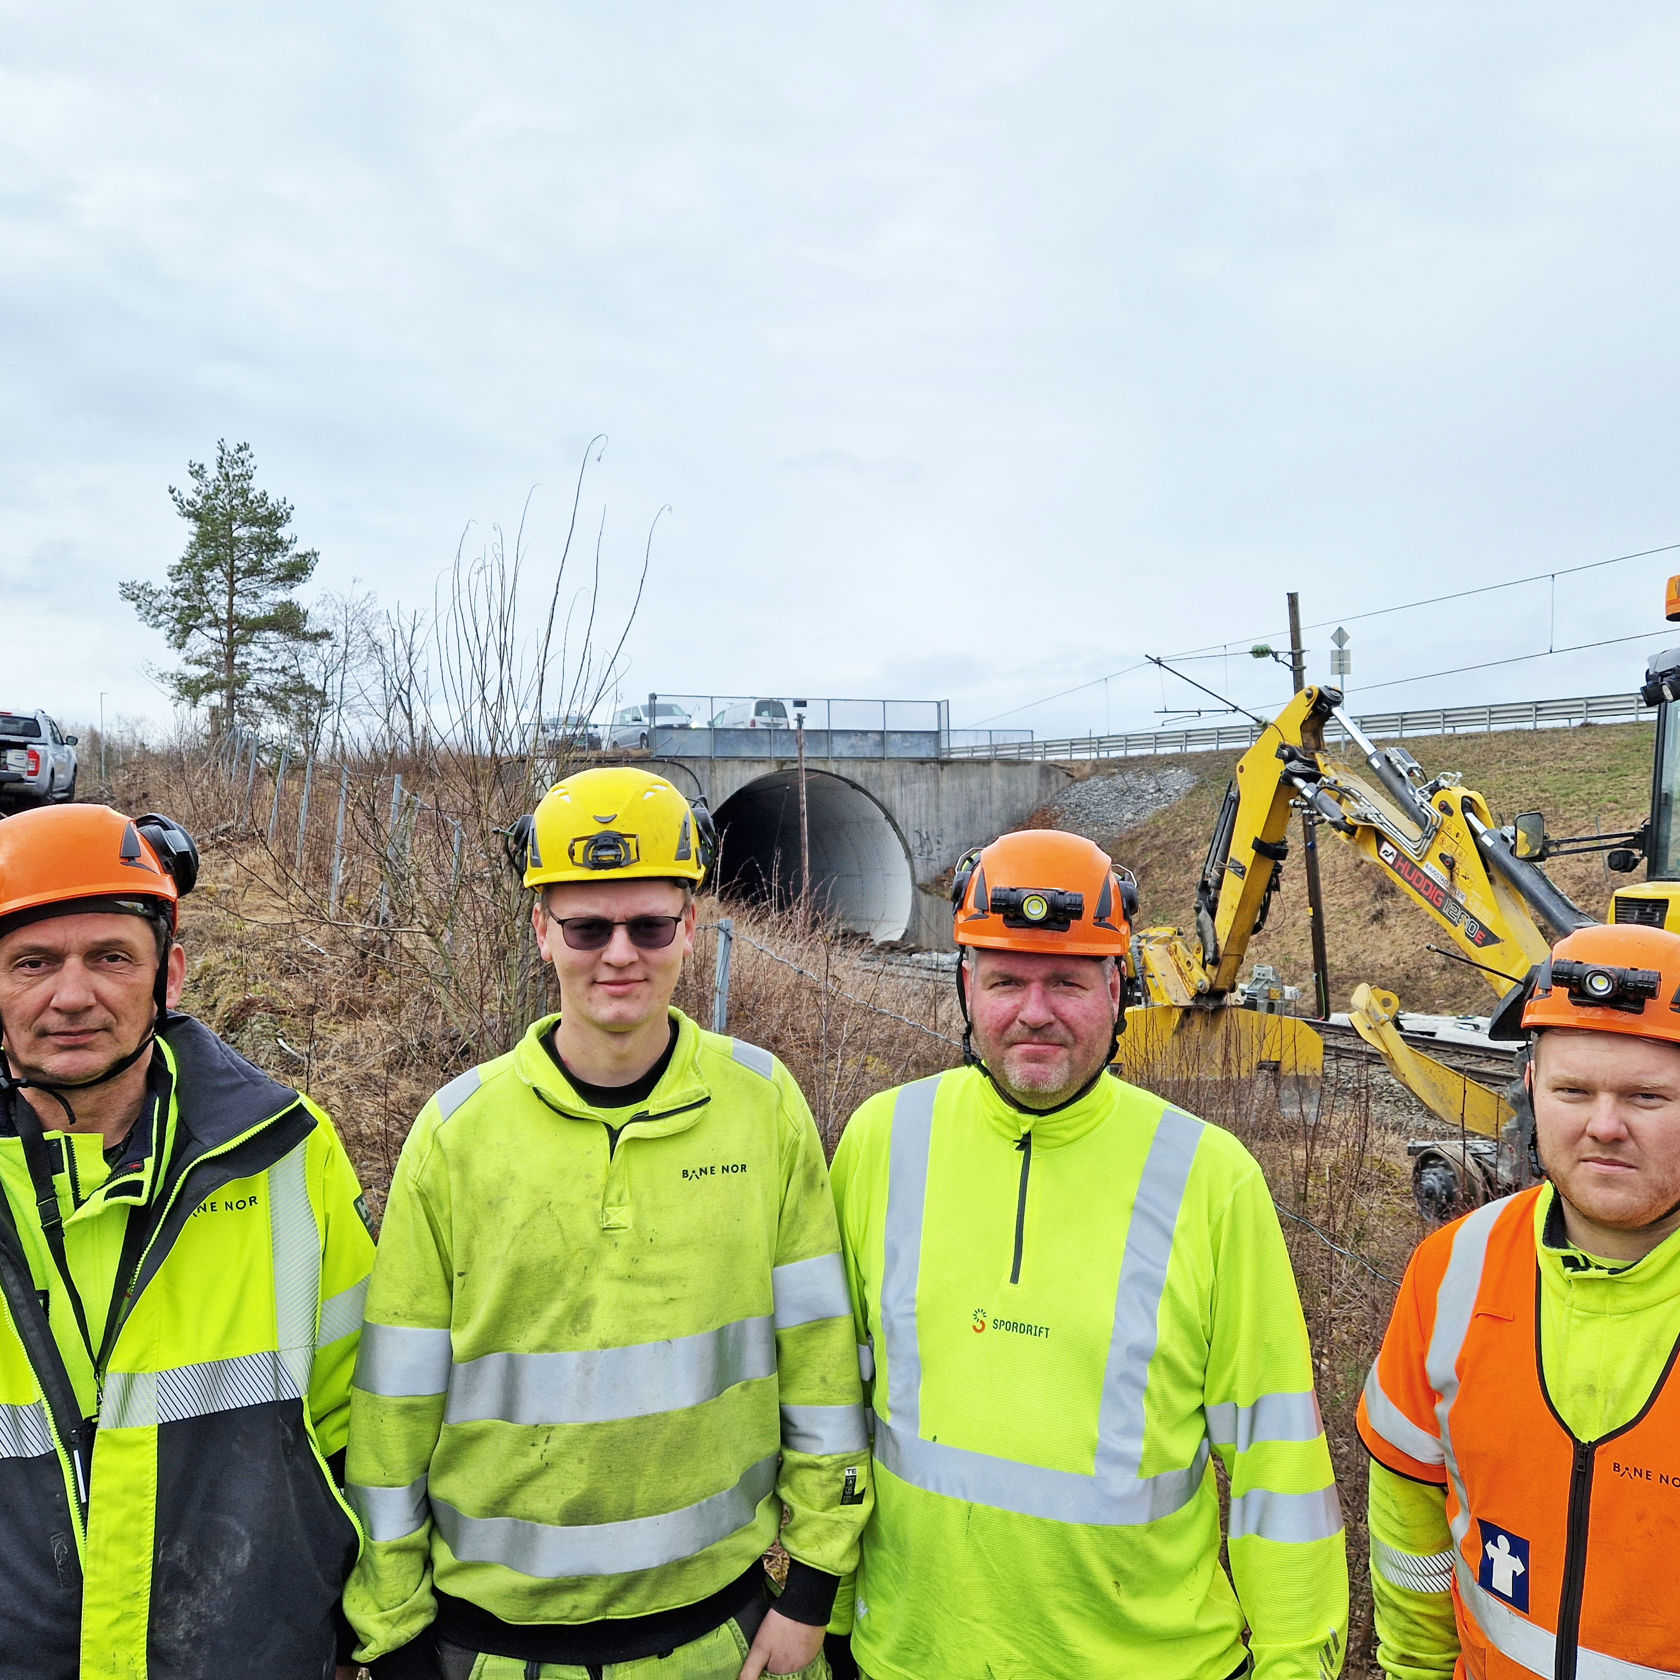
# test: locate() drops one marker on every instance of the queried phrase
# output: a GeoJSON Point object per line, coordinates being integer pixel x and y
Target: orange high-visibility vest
{"type": "Point", "coordinates": [1565, 1550]}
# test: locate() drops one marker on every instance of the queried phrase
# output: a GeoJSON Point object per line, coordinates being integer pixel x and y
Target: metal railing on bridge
{"type": "Point", "coordinates": [730, 726]}
{"type": "Point", "coordinates": [1442, 720]}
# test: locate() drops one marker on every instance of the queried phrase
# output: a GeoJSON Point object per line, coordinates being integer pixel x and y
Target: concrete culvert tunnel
{"type": "Point", "coordinates": [860, 871]}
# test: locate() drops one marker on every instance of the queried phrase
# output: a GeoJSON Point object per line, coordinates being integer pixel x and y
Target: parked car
{"type": "Point", "coordinates": [753, 714]}
{"type": "Point", "coordinates": [575, 728]}
{"type": "Point", "coordinates": [629, 727]}
{"type": "Point", "coordinates": [37, 760]}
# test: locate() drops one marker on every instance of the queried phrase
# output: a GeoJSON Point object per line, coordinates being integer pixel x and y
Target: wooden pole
{"type": "Point", "coordinates": [1309, 830]}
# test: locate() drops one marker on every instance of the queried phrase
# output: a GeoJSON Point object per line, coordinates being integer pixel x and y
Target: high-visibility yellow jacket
{"type": "Point", "coordinates": [1064, 1314]}
{"type": "Point", "coordinates": [1607, 1335]}
{"type": "Point", "coordinates": [173, 1515]}
{"type": "Point", "coordinates": [599, 1359]}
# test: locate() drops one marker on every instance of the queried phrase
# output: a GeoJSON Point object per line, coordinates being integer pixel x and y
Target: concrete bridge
{"type": "Point", "coordinates": [882, 827]}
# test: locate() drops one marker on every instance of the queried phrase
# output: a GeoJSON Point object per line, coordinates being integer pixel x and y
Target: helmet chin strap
{"type": "Point", "coordinates": [972, 1058]}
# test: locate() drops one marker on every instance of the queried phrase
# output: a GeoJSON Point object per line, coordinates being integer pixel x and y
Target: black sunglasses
{"type": "Point", "coordinates": [594, 933]}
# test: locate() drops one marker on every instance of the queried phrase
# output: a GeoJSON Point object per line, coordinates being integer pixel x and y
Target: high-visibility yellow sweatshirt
{"type": "Point", "coordinates": [1607, 1333]}
{"type": "Point", "coordinates": [174, 1512]}
{"type": "Point", "coordinates": [603, 1351]}
{"type": "Point", "coordinates": [1065, 1315]}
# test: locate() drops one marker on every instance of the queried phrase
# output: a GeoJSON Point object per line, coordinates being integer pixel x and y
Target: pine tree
{"type": "Point", "coordinates": [228, 604]}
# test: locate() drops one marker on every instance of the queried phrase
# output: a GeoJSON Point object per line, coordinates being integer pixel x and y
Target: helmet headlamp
{"type": "Point", "coordinates": [1603, 986]}
{"type": "Point", "coordinates": [610, 849]}
{"type": "Point", "coordinates": [1050, 909]}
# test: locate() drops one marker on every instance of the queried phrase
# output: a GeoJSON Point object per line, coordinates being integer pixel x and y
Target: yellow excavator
{"type": "Point", "coordinates": [1441, 844]}
{"type": "Point", "coordinates": [1438, 841]}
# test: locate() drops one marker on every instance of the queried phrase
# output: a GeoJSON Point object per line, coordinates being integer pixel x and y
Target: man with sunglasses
{"type": "Point", "coordinates": [609, 1354]}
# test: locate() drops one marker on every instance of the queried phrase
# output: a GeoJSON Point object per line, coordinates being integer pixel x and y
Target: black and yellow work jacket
{"type": "Point", "coordinates": [175, 1364]}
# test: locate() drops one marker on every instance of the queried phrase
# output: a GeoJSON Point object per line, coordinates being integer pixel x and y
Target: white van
{"type": "Point", "coordinates": [629, 727]}
{"type": "Point", "coordinates": [753, 714]}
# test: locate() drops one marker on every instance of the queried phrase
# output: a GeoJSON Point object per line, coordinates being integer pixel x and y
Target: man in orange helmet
{"type": "Point", "coordinates": [183, 1258]}
{"type": "Point", "coordinates": [1522, 1414]}
{"type": "Point", "coordinates": [1068, 1296]}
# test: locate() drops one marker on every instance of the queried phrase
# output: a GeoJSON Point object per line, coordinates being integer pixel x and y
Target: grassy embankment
{"type": "Point", "coordinates": [371, 1010]}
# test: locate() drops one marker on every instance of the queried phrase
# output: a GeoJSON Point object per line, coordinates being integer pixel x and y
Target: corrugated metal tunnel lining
{"type": "Point", "coordinates": [860, 871]}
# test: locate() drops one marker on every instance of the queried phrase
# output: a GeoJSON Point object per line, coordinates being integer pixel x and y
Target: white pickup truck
{"type": "Point", "coordinates": [37, 761]}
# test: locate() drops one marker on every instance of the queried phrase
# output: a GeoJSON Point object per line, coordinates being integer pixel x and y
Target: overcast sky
{"type": "Point", "coordinates": [977, 350]}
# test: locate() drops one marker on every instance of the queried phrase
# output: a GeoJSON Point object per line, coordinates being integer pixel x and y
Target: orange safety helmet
{"type": "Point", "coordinates": [1620, 979]}
{"type": "Point", "coordinates": [60, 859]}
{"type": "Point", "coordinates": [1045, 891]}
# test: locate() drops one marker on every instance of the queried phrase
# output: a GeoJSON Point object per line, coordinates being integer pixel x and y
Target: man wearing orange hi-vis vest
{"type": "Point", "coordinates": [1070, 1297]}
{"type": "Point", "coordinates": [1523, 1413]}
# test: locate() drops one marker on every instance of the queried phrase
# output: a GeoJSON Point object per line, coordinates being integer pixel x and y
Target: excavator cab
{"type": "Point", "coordinates": [1655, 902]}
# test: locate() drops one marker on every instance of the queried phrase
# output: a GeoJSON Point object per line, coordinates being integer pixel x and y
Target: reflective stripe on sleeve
{"type": "Point", "coordinates": [604, 1385]}
{"type": "Point", "coordinates": [824, 1429]}
{"type": "Point", "coordinates": [388, 1513]}
{"type": "Point", "coordinates": [1395, 1427]}
{"type": "Point", "coordinates": [1117, 1493]}
{"type": "Point", "coordinates": [1431, 1574]}
{"type": "Point", "coordinates": [808, 1290]}
{"type": "Point", "coordinates": [341, 1314]}
{"type": "Point", "coordinates": [24, 1432]}
{"type": "Point", "coordinates": [397, 1360]}
{"type": "Point", "coordinates": [552, 1553]}
{"type": "Point", "coordinates": [866, 1362]}
{"type": "Point", "coordinates": [1294, 1518]}
{"type": "Point", "coordinates": [1273, 1417]}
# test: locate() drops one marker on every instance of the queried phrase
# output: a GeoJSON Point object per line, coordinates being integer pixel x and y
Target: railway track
{"type": "Point", "coordinates": [1490, 1066]}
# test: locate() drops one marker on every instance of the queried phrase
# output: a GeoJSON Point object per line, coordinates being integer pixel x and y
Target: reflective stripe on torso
{"type": "Point", "coordinates": [1114, 1491]}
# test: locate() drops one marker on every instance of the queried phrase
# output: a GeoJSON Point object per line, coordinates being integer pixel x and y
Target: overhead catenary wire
{"type": "Point", "coordinates": [1222, 650]}
{"type": "Point", "coordinates": [1517, 659]}
{"type": "Point", "coordinates": [1218, 650]}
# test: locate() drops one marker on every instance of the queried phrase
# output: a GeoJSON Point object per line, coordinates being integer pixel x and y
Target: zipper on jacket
{"type": "Point", "coordinates": [1574, 1562]}
{"type": "Point", "coordinates": [1025, 1147]}
{"type": "Point", "coordinates": [635, 1119]}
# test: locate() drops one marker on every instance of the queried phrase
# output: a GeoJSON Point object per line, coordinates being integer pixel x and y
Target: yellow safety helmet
{"type": "Point", "coordinates": [615, 824]}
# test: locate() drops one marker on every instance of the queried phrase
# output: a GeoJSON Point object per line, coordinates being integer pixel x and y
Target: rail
{"type": "Point", "coordinates": [1440, 720]}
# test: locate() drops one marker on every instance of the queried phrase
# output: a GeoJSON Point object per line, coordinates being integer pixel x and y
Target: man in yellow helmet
{"type": "Point", "coordinates": [1072, 1297]}
{"type": "Point", "coordinates": [609, 1346]}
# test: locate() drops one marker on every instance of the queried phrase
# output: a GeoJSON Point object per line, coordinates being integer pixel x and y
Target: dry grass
{"type": "Point", "coordinates": [371, 1012]}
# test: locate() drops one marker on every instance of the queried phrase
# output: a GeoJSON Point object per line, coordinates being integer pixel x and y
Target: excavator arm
{"type": "Point", "coordinates": [1240, 872]}
{"type": "Point", "coordinates": [1436, 840]}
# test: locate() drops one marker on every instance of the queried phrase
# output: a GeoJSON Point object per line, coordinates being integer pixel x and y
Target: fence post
{"type": "Point", "coordinates": [455, 868]}
{"type": "Point", "coordinates": [279, 782]}
{"type": "Point", "coordinates": [720, 982]}
{"type": "Point", "coordinates": [338, 842]}
{"type": "Point", "coordinates": [391, 848]}
{"type": "Point", "coordinates": [251, 775]}
{"type": "Point", "coordinates": [303, 811]}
